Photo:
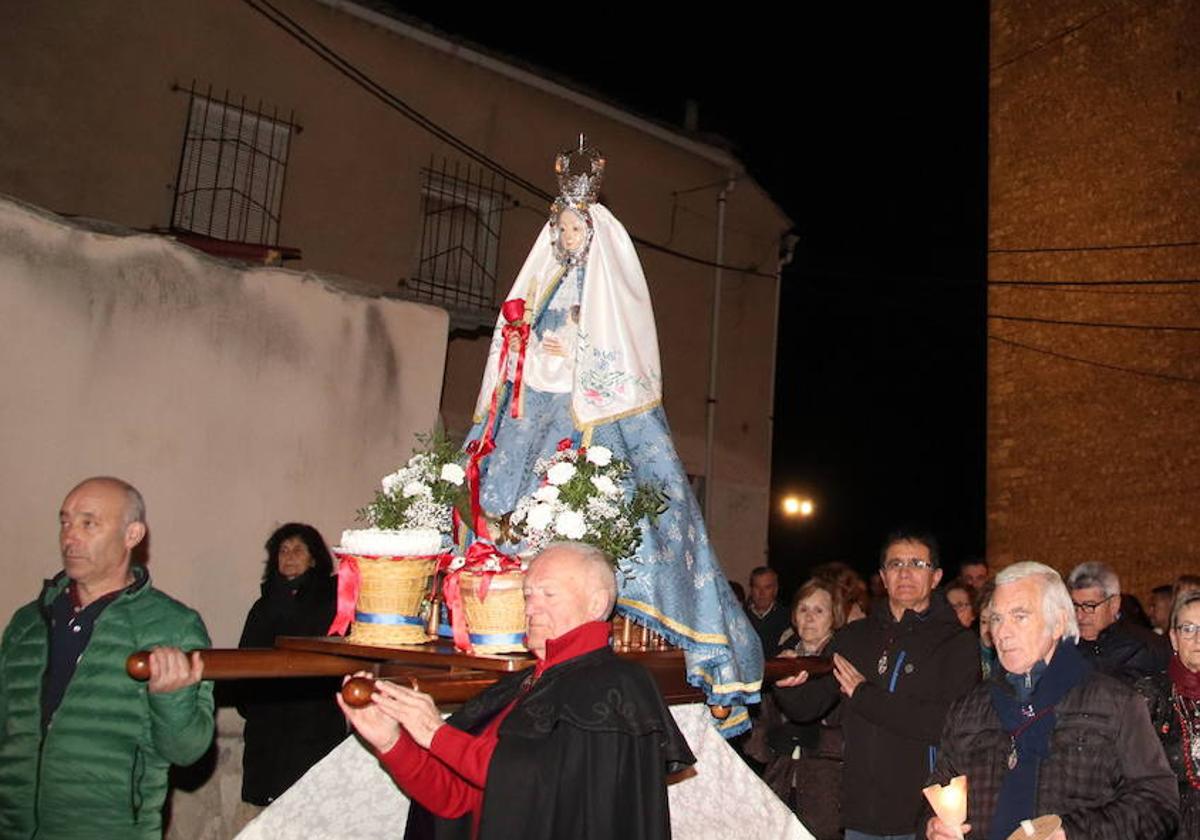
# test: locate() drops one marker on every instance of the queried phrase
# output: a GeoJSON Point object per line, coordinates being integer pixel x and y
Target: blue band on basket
{"type": "Point", "coordinates": [388, 618]}
{"type": "Point", "coordinates": [497, 638]}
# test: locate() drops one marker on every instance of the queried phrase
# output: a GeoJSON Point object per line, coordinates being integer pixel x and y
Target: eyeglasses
{"type": "Point", "coordinates": [1090, 606]}
{"type": "Point", "coordinates": [907, 563]}
{"type": "Point", "coordinates": [1188, 629]}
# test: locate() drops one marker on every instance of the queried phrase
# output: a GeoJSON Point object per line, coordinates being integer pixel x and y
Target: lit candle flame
{"type": "Point", "coordinates": [949, 802]}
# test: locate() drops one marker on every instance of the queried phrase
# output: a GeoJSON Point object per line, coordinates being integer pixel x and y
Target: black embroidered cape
{"type": "Point", "coordinates": [584, 754]}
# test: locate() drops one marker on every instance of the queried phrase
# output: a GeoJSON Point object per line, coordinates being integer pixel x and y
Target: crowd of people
{"type": "Point", "coordinates": [1051, 696]}
{"type": "Point", "coordinates": [580, 745]}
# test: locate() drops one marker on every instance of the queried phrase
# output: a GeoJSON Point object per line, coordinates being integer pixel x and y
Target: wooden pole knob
{"type": "Point", "coordinates": [719, 712]}
{"type": "Point", "coordinates": [138, 665]}
{"type": "Point", "coordinates": [357, 692]}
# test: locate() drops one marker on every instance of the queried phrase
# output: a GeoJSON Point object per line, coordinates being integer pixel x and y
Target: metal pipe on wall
{"type": "Point", "coordinates": [710, 408]}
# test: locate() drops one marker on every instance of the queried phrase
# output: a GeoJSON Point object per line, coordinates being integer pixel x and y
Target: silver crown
{"type": "Point", "coordinates": [580, 173]}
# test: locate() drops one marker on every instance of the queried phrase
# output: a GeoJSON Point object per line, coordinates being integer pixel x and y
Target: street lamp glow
{"type": "Point", "coordinates": [796, 506]}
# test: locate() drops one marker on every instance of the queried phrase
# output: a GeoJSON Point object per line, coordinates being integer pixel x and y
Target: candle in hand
{"type": "Point", "coordinates": [949, 802]}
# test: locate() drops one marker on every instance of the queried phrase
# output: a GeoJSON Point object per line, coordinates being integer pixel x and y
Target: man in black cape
{"type": "Point", "coordinates": [578, 746]}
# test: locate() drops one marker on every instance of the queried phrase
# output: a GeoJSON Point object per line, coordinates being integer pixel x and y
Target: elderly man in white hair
{"type": "Point", "coordinates": [1047, 734]}
{"type": "Point", "coordinates": [577, 746]}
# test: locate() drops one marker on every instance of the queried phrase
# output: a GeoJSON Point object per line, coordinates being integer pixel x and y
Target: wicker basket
{"type": "Point", "coordinates": [395, 592]}
{"type": "Point", "coordinates": [497, 624]}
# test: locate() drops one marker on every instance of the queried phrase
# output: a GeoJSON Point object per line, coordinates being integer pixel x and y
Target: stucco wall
{"type": "Point", "coordinates": [234, 399]}
{"type": "Point", "coordinates": [90, 125]}
{"type": "Point", "coordinates": [1094, 163]}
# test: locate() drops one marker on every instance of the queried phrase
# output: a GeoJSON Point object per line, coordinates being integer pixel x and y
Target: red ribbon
{"type": "Point", "coordinates": [513, 312]}
{"type": "Point", "coordinates": [458, 621]}
{"type": "Point", "coordinates": [477, 450]}
{"type": "Point", "coordinates": [479, 553]}
{"type": "Point", "coordinates": [349, 581]}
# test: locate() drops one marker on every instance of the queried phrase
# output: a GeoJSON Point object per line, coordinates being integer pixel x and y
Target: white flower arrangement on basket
{"type": "Point", "coordinates": [585, 496]}
{"type": "Point", "coordinates": [422, 493]}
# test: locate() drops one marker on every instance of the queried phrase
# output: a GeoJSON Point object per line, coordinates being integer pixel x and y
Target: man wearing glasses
{"type": "Point", "coordinates": [1112, 646]}
{"type": "Point", "coordinates": [895, 675]}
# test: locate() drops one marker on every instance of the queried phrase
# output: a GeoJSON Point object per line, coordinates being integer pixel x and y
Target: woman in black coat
{"type": "Point", "coordinates": [291, 724]}
{"type": "Point", "coordinates": [1174, 701]}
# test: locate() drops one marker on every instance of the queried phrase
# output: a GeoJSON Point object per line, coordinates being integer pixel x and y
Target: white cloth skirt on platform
{"type": "Point", "coordinates": [347, 794]}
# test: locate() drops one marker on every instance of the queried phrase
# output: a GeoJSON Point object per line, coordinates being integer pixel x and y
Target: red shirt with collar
{"type": "Point", "coordinates": [449, 777]}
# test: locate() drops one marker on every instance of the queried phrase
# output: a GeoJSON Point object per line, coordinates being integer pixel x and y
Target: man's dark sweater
{"type": "Point", "coordinates": [769, 627]}
{"type": "Point", "coordinates": [914, 669]}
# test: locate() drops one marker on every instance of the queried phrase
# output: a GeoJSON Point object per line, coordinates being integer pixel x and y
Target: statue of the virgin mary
{"type": "Point", "coordinates": [575, 348]}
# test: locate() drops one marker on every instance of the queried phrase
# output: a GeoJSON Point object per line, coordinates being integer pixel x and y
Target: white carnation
{"type": "Point", "coordinates": [391, 482]}
{"type": "Point", "coordinates": [415, 488]}
{"type": "Point", "coordinates": [560, 473]}
{"type": "Point", "coordinates": [457, 563]}
{"type": "Point", "coordinates": [540, 515]}
{"type": "Point", "coordinates": [548, 493]}
{"type": "Point", "coordinates": [453, 473]}
{"type": "Point", "coordinates": [601, 456]}
{"type": "Point", "coordinates": [571, 525]}
{"type": "Point", "coordinates": [605, 485]}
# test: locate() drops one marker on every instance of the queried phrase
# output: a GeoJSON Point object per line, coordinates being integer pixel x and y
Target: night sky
{"type": "Point", "coordinates": [876, 148]}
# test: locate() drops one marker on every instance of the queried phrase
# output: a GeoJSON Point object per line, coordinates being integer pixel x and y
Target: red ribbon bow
{"type": "Point", "coordinates": [478, 554]}
{"type": "Point", "coordinates": [513, 312]}
{"type": "Point", "coordinates": [349, 581]}
{"type": "Point", "coordinates": [516, 328]}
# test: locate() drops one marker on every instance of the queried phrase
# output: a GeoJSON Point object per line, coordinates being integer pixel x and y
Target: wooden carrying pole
{"type": "Point", "coordinates": [443, 685]}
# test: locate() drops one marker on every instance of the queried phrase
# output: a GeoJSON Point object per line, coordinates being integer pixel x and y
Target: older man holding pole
{"type": "Point", "coordinates": [1049, 735]}
{"type": "Point", "coordinates": [578, 746]}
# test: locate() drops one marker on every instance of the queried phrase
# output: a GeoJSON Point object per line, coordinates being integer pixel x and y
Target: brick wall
{"type": "Point", "coordinates": [1094, 148]}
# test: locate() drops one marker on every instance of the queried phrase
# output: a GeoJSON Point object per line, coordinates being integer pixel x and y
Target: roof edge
{"type": "Point", "coordinates": [711, 153]}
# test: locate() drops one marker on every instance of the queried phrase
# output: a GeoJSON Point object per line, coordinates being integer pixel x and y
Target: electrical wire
{"type": "Point", "coordinates": [1071, 249]}
{"type": "Point", "coordinates": [956, 326]}
{"type": "Point", "coordinates": [1168, 377]}
{"type": "Point", "coordinates": [1084, 283]}
{"type": "Point", "coordinates": [1055, 38]}
{"type": "Point", "coordinates": [352, 72]}
{"type": "Point", "coordinates": [1061, 322]}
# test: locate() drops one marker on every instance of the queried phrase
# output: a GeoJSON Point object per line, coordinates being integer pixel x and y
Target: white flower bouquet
{"type": "Point", "coordinates": [423, 492]}
{"type": "Point", "coordinates": [585, 495]}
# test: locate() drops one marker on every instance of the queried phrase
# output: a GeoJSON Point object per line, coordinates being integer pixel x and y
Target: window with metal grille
{"type": "Point", "coordinates": [231, 170]}
{"type": "Point", "coordinates": [462, 208]}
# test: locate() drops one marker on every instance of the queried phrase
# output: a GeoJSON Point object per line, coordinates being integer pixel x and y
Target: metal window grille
{"type": "Point", "coordinates": [231, 170]}
{"type": "Point", "coordinates": [462, 209]}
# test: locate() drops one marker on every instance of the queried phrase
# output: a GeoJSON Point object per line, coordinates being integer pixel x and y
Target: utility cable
{"type": "Point", "coordinates": [956, 326]}
{"type": "Point", "coordinates": [1060, 322]}
{"type": "Point", "coordinates": [352, 72]}
{"type": "Point", "coordinates": [1070, 249]}
{"type": "Point", "coordinates": [1184, 281]}
{"type": "Point", "coordinates": [1168, 377]}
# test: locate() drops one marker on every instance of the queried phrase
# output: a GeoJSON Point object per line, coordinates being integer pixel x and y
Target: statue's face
{"type": "Point", "coordinates": [571, 230]}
